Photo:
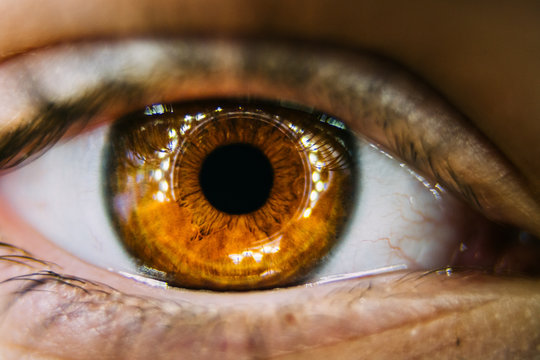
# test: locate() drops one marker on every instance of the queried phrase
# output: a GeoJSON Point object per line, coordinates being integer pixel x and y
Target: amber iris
{"type": "Point", "coordinates": [229, 195]}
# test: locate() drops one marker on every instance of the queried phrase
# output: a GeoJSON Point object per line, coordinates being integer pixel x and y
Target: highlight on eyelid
{"type": "Point", "coordinates": [230, 195]}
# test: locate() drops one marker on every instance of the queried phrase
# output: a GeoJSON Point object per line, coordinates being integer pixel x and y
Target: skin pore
{"type": "Point", "coordinates": [481, 56]}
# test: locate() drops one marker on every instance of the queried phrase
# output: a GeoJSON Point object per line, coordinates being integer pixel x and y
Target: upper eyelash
{"type": "Point", "coordinates": [407, 150]}
{"type": "Point", "coordinates": [54, 120]}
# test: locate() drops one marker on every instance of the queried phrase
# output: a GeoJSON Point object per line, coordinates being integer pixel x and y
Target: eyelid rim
{"type": "Point", "coordinates": [377, 100]}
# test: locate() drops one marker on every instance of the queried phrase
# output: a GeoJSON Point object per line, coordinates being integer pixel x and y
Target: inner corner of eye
{"type": "Point", "coordinates": [229, 194]}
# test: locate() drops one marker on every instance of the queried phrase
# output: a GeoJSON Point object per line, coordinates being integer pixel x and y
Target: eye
{"type": "Point", "coordinates": [391, 110]}
{"type": "Point", "coordinates": [233, 186]}
{"type": "Point", "coordinates": [162, 169]}
{"type": "Point", "coordinates": [160, 221]}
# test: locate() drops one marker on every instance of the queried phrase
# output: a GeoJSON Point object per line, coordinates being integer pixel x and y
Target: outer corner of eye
{"type": "Point", "coordinates": [236, 195]}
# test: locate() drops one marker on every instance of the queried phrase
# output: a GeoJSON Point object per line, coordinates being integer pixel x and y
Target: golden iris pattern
{"type": "Point", "coordinates": [230, 194]}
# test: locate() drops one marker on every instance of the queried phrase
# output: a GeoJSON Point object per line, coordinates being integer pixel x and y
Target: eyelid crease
{"type": "Point", "coordinates": [377, 100]}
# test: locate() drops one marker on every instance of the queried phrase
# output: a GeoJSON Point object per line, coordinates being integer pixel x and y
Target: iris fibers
{"type": "Point", "coordinates": [229, 195]}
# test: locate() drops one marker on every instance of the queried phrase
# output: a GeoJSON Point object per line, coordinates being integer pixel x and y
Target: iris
{"type": "Point", "coordinates": [229, 194]}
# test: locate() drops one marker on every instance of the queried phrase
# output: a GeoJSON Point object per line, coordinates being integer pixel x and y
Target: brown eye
{"type": "Point", "coordinates": [229, 194]}
{"type": "Point", "coordinates": [169, 223]}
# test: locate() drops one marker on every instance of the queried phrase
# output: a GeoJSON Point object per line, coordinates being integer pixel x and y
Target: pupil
{"type": "Point", "coordinates": [236, 178]}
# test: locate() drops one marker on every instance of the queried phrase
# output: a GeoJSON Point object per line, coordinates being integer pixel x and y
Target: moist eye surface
{"type": "Point", "coordinates": [229, 194]}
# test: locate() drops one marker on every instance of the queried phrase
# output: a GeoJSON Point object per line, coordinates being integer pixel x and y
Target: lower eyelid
{"type": "Point", "coordinates": [413, 313]}
{"type": "Point", "coordinates": [421, 313]}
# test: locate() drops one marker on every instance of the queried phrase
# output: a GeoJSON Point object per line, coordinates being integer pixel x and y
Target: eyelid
{"type": "Point", "coordinates": [401, 307]}
{"type": "Point", "coordinates": [377, 100]}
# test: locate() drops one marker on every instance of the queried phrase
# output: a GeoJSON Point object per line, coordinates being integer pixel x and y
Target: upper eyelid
{"type": "Point", "coordinates": [379, 101]}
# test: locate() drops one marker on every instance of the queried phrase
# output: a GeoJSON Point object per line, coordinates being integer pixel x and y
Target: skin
{"type": "Point", "coordinates": [481, 56]}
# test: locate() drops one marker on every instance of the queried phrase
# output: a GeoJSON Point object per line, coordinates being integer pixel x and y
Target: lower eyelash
{"type": "Point", "coordinates": [17, 256]}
